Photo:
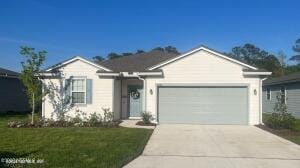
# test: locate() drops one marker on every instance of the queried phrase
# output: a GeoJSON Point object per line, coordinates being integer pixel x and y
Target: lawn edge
{"type": "Point", "coordinates": [278, 136]}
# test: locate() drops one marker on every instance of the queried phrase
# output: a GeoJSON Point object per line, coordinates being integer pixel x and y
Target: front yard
{"type": "Point", "coordinates": [292, 134]}
{"type": "Point", "coordinates": [71, 147]}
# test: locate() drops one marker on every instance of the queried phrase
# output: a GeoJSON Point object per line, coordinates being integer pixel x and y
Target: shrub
{"type": "Point", "coordinates": [80, 120]}
{"type": "Point", "coordinates": [108, 115]}
{"type": "Point", "coordinates": [94, 119]}
{"type": "Point", "coordinates": [20, 124]}
{"type": "Point", "coordinates": [147, 117]}
{"type": "Point", "coordinates": [280, 118]}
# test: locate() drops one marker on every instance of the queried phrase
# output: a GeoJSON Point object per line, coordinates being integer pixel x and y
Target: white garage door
{"type": "Point", "coordinates": [203, 105]}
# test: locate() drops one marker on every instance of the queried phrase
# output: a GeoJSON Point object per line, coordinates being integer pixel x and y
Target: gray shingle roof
{"type": "Point", "coordinates": [8, 73]}
{"type": "Point", "coordinates": [295, 77]}
{"type": "Point", "coordinates": [137, 62]}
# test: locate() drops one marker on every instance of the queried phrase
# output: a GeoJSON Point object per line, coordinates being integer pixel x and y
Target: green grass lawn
{"type": "Point", "coordinates": [71, 147]}
{"type": "Point", "coordinates": [292, 134]}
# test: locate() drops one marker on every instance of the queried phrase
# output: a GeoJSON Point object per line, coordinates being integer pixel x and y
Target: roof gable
{"type": "Point", "coordinates": [73, 59]}
{"type": "Point", "coordinates": [197, 50]}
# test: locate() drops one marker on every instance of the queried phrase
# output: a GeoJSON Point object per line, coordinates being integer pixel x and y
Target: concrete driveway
{"type": "Point", "coordinates": [177, 145]}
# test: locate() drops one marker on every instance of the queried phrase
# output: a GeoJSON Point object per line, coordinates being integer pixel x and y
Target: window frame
{"type": "Point", "coordinates": [284, 89]}
{"type": "Point", "coordinates": [84, 90]}
{"type": "Point", "coordinates": [269, 92]}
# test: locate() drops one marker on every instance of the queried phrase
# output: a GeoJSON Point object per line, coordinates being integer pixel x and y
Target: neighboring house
{"type": "Point", "coordinates": [12, 93]}
{"type": "Point", "coordinates": [289, 86]}
{"type": "Point", "coordinates": [201, 86]}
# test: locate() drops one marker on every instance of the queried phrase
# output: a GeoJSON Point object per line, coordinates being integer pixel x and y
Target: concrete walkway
{"type": "Point", "coordinates": [132, 124]}
{"type": "Point", "coordinates": [217, 146]}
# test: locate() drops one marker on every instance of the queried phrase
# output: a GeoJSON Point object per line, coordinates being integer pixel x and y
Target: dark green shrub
{"type": "Point", "coordinates": [147, 117]}
{"type": "Point", "coordinates": [108, 115]}
{"type": "Point", "coordinates": [94, 119]}
{"type": "Point", "coordinates": [278, 121]}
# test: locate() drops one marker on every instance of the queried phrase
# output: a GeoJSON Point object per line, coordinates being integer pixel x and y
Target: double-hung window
{"type": "Point", "coordinates": [268, 93]}
{"type": "Point", "coordinates": [78, 91]}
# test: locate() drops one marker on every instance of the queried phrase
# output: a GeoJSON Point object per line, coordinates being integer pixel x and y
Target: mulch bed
{"type": "Point", "coordinates": [143, 124]}
{"type": "Point", "coordinates": [280, 132]}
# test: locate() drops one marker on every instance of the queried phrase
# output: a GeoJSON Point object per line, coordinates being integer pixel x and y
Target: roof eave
{"type": "Point", "coordinates": [257, 73]}
{"type": "Point", "coordinates": [129, 74]}
{"type": "Point", "coordinates": [74, 59]}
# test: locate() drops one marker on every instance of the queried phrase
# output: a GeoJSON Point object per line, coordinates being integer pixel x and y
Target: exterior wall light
{"type": "Point", "coordinates": [255, 92]}
{"type": "Point", "coordinates": [151, 91]}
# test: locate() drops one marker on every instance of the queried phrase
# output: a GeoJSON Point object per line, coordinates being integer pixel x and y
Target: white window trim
{"type": "Point", "coordinates": [77, 91]}
{"type": "Point", "coordinates": [284, 93]}
{"type": "Point", "coordinates": [270, 94]}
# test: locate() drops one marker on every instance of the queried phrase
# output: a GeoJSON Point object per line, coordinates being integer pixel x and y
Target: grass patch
{"type": "Point", "coordinates": [292, 134]}
{"type": "Point", "coordinates": [71, 147]}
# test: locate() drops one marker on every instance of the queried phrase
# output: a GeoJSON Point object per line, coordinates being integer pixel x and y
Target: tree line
{"type": "Point", "coordinates": [248, 53]}
{"type": "Point", "coordinates": [113, 55]}
{"type": "Point", "coordinates": [277, 64]}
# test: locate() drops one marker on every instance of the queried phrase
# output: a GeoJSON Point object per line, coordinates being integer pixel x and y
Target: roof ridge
{"type": "Point", "coordinates": [134, 54]}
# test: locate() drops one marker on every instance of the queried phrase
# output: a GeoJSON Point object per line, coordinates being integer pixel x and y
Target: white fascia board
{"type": "Point", "coordinates": [127, 74]}
{"type": "Point", "coordinates": [81, 59]}
{"type": "Point", "coordinates": [47, 74]}
{"type": "Point", "coordinates": [150, 73]}
{"type": "Point", "coordinates": [205, 49]}
{"type": "Point", "coordinates": [257, 73]}
{"type": "Point", "coordinates": [108, 74]}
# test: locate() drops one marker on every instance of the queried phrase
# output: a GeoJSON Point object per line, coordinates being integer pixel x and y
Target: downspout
{"type": "Point", "coordinates": [260, 100]}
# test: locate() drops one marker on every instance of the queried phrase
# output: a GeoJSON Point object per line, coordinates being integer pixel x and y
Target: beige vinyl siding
{"type": "Point", "coordinates": [292, 98]}
{"type": "Point", "coordinates": [102, 92]}
{"type": "Point", "coordinates": [206, 68]}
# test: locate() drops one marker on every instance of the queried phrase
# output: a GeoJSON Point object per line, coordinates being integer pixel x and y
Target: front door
{"type": "Point", "coordinates": [135, 94]}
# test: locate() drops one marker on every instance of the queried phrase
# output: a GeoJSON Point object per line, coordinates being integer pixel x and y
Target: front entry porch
{"type": "Point", "coordinates": [131, 98]}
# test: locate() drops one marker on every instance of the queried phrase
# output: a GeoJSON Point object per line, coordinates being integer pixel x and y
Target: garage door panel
{"type": "Point", "coordinates": [203, 105]}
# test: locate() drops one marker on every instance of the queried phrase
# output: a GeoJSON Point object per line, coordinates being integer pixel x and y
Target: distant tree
{"type": "Point", "coordinates": [296, 49]}
{"type": "Point", "coordinates": [98, 58]}
{"type": "Point", "coordinates": [282, 60]}
{"type": "Point", "coordinates": [158, 49]}
{"type": "Point", "coordinates": [292, 69]}
{"type": "Point", "coordinates": [113, 55]}
{"type": "Point", "coordinates": [168, 49]}
{"type": "Point", "coordinates": [139, 51]}
{"type": "Point", "coordinates": [171, 49]}
{"type": "Point", "coordinates": [126, 54]}
{"type": "Point", "coordinates": [253, 55]}
{"type": "Point", "coordinates": [30, 69]}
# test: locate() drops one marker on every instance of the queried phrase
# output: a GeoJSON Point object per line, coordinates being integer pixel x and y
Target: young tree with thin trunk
{"type": "Point", "coordinates": [29, 76]}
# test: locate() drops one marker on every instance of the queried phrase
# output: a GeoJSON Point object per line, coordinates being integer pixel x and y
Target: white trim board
{"type": "Point", "coordinates": [196, 50]}
{"type": "Point", "coordinates": [75, 59]}
{"type": "Point", "coordinates": [257, 73]}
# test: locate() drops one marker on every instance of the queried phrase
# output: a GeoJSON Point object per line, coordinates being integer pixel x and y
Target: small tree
{"type": "Point", "coordinates": [30, 69]}
{"type": "Point", "coordinates": [280, 118]}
